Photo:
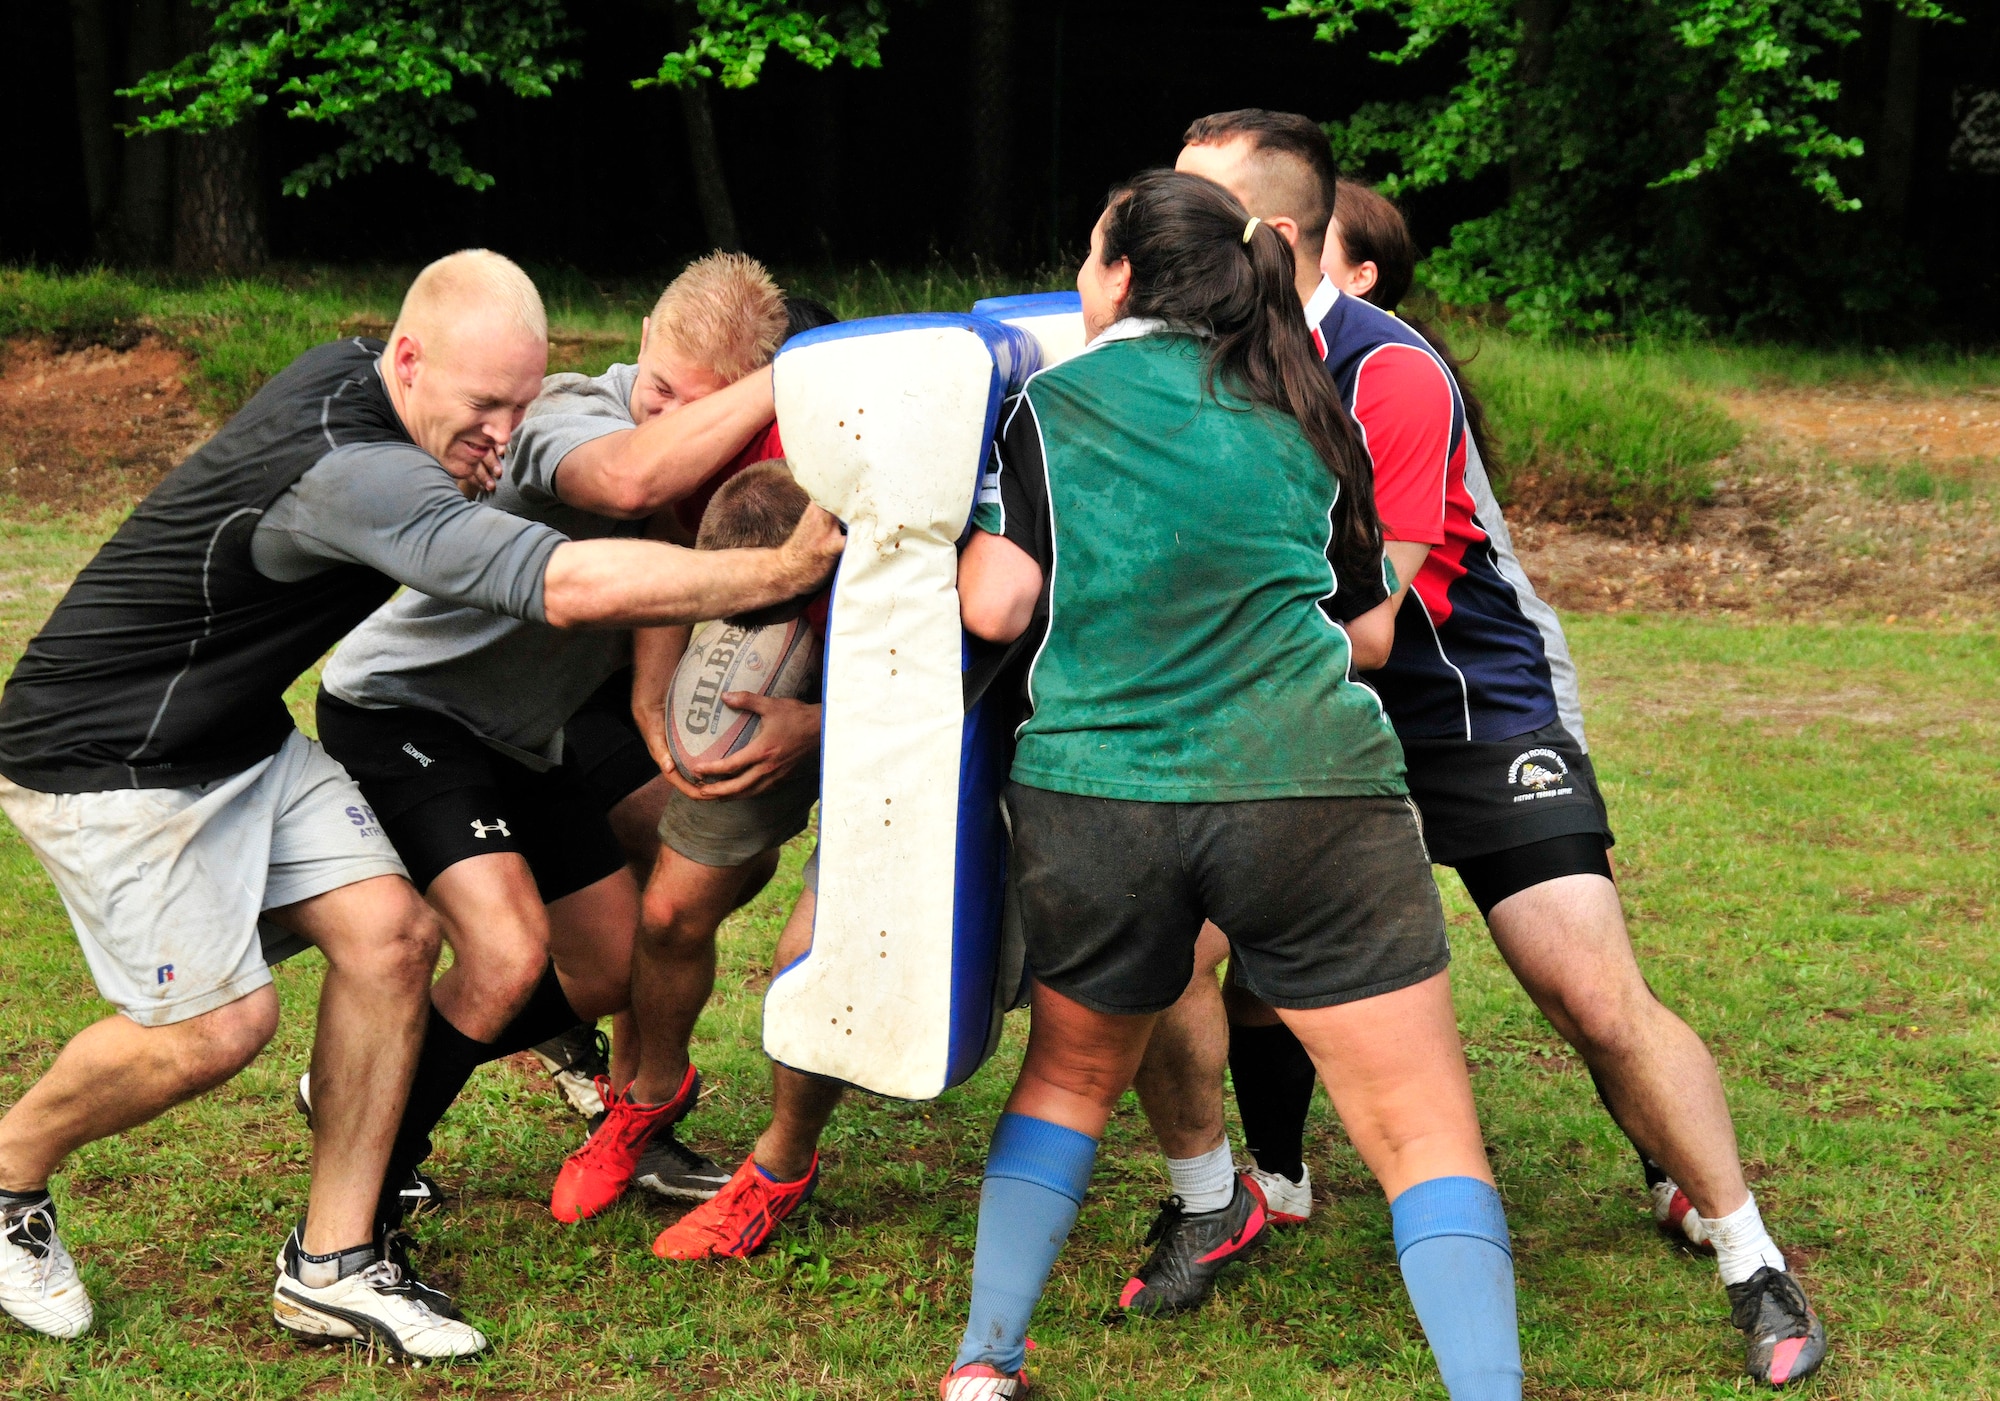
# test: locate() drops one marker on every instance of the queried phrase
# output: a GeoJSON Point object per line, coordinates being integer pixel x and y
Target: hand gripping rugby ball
{"type": "Point", "coordinates": [780, 660]}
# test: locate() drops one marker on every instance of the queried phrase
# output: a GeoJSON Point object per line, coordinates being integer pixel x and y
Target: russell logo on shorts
{"type": "Point", "coordinates": [1542, 772]}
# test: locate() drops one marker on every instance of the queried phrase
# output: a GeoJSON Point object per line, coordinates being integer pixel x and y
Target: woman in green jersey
{"type": "Point", "coordinates": [1179, 522]}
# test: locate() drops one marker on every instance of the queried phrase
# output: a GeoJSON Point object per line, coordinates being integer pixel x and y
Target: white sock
{"type": "Point", "coordinates": [1742, 1245]}
{"type": "Point", "coordinates": [1205, 1183]}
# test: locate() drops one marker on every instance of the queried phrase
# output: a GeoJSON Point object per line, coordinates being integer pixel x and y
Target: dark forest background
{"type": "Point", "coordinates": [990, 131]}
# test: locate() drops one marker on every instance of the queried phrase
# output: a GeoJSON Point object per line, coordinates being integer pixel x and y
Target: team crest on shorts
{"type": "Point", "coordinates": [1542, 772]}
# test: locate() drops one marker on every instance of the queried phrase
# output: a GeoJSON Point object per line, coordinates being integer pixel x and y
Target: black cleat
{"type": "Point", "coordinates": [575, 1060]}
{"type": "Point", "coordinates": [669, 1168]}
{"type": "Point", "coordinates": [1783, 1337]}
{"type": "Point", "coordinates": [1192, 1251]}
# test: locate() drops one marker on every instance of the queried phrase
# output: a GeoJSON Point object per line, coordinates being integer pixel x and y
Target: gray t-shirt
{"type": "Point", "coordinates": [510, 681]}
{"type": "Point", "coordinates": [391, 507]}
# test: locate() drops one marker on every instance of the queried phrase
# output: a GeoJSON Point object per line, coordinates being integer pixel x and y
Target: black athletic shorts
{"type": "Point", "coordinates": [1325, 900]}
{"type": "Point", "coordinates": [1478, 798]}
{"type": "Point", "coordinates": [443, 795]}
{"type": "Point", "coordinates": [601, 744]}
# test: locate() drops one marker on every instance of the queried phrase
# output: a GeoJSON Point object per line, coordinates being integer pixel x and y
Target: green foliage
{"type": "Point", "coordinates": [1596, 109]}
{"type": "Point", "coordinates": [731, 39]}
{"type": "Point", "coordinates": [1611, 433]}
{"type": "Point", "coordinates": [388, 73]}
{"type": "Point", "coordinates": [392, 75]}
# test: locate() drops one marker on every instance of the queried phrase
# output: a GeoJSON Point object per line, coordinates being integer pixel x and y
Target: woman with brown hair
{"type": "Point", "coordinates": [1182, 516]}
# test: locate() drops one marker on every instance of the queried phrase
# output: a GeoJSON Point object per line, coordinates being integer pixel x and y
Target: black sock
{"type": "Point", "coordinates": [1274, 1084]}
{"type": "Point", "coordinates": [446, 1062]}
{"type": "Point", "coordinates": [547, 1014]}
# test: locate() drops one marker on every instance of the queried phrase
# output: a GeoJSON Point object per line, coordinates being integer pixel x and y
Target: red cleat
{"type": "Point", "coordinates": [738, 1220]}
{"type": "Point", "coordinates": [597, 1174]}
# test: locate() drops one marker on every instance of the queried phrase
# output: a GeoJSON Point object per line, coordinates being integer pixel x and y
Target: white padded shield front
{"type": "Point", "coordinates": [1054, 319]}
{"type": "Point", "coordinates": [887, 423]}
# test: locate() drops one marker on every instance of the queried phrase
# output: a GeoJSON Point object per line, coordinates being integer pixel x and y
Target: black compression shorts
{"type": "Point", "coordinates": [601, 744]}
{"type": "Point", "coordinates": [444, 796]}
{"type": "Point", "coordinates": [1325, 900]}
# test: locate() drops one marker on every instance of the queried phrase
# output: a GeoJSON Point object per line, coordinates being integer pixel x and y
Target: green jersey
{"type": "Point", "coordinates": [1190, 647]}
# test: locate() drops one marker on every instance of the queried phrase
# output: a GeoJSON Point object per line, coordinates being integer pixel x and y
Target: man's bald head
{"type": "Point", "coordinates": [474, 291]}
{"type": "Point", "coordinates": [465, 360]}
{"type": "Point", "coordinates": [1278, 164]}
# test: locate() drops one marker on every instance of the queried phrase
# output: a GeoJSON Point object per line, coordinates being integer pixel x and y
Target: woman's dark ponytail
{"type": "Point", "coordinates": [1193, 268]}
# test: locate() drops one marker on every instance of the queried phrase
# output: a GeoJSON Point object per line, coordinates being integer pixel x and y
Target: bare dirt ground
{"type": "Point", "coordinates": [81, 429]}
{"type": "Point", "coordinates": [1841, 502]}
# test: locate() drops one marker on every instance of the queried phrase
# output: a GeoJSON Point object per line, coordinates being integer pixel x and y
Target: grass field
{"type": "Point", "coordinates": [1807, 818]}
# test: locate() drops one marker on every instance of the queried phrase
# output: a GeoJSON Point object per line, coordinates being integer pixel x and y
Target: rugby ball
{"type": "Point", "coordinates": [777, 659]}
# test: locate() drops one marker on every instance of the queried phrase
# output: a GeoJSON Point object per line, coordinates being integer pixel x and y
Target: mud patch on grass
{"type": "Point", "coordinates": [1839, 503]}
{"type": "Point", "coordinates": [84, 429]}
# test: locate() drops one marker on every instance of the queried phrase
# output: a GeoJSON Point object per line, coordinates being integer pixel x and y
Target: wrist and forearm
{"type": "Point", "coordinates": [642, 583]}
{"type": "Point", "coordinates": [638, 471]}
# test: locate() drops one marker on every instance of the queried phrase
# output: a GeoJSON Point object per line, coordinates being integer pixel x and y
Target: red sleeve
{"type": "Point", "coordinates": [765, 445]}
{"type": "Point", "coordinates": [1403, 403]}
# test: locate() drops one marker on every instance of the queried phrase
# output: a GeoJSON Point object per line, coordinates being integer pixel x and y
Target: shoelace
{"type": "Point", "coordinates": [626, 1125]}
{"type": "Point", "coordinates": [1171, 1212]}
{"type": "Point", "coordinates": [34, 1230]}
{"type": "Point", "coordinates": [718, 1210]}
{"type": "Point", "coordinates": [386, 1277]}
{"type": "Point", "coordinates": [1780, 1289]}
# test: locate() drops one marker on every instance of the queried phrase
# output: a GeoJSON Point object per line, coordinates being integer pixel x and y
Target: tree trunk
{"type": "Point", "coordinates": [90, 41]}
{"type": "Point", "coordinates": [1532, 60]}
{"type": "Point", "coordinates": [711, 189]}
{"type": "Point", "coordinates": [218, 205]}
{"type": "Point", "coordinates": [1896, 143]}
{"type": "Point", "coordinates": [218, 199]}
{"type": "Point", "coordinates": [989, 198]}
{"type": "Point", "coordinates": [144, 221]}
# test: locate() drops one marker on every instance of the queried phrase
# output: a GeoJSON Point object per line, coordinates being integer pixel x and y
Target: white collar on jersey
{"type": "Point", "coordinates": [1321, 302]}
{"type": "Point", "coordinates": [1128, 328]}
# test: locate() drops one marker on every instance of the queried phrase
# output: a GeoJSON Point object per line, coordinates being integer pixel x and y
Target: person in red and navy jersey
{"type": "Point", "coordinates": [1482, 693]}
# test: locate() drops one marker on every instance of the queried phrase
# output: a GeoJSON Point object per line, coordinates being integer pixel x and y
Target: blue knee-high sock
{"type": "Point", "coordinates": [1451, 1240]}
{"type": "Point", "coordinates": [1036, 1173]}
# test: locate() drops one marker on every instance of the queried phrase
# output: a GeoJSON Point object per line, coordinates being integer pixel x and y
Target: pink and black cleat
{"type": "Point", "coordinates": [1192, 1251]}
{"type": "Point", "coordinates": [1784, 1338]}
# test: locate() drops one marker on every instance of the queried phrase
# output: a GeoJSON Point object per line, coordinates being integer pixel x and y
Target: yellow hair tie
{"type": "Point", "coordinates": [1251, 227]}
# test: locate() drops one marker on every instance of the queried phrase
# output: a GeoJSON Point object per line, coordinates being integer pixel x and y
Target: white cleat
{"type": "Point", "coordinates": [1286, 1202]}
{"type": "Point", "coordinates": [39, 1283]}
{"type": "Point", "coordinates": [375, 1306]}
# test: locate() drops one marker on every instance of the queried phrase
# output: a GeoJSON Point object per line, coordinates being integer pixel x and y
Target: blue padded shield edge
{"type": "Point", "coordinates": [1028, 304]}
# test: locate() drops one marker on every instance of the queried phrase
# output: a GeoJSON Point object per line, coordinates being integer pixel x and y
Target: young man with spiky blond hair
{"type": "Point", "coordinates": [501, 755]}
{"type": "Point", "coordinates": [148, 759]}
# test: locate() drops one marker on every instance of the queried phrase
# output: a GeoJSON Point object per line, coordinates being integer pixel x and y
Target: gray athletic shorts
{"type": "Point", "coordinates": [166, 886]}
{"type": "Point", "coordinates": [730, 831]}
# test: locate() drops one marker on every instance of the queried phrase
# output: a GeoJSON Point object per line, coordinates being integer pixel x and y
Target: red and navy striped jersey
{"type": "Point", "coordinates": [1483, 658]}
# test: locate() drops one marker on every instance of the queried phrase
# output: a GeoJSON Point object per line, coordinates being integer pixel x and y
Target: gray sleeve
{"type": "Point", "coordinates": [391, 507]}
{"type": "Point", "coordinates": [543, 441]}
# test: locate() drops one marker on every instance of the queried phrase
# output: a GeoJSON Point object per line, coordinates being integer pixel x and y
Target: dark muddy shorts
{"type": "Point", "coordinates": [1326, 900]}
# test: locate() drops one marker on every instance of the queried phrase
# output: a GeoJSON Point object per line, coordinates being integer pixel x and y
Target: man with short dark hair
{"type": "Point", "coordinates": [148, 758]}
{"type": "Point", "coordinates": [1482, 693]}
